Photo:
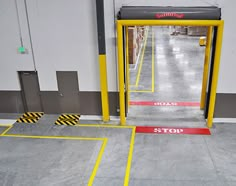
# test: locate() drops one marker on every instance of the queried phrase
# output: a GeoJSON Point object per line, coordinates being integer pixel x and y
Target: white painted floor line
{"type": "Point", "coordinates": [224, 120]}
{"type": "Point", "coordinates": [97, 117]}
{"type": "Point", "coordinates": [7, 121]}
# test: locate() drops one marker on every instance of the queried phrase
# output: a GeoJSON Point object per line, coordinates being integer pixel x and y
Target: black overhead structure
{"type": "Point", "coordinates": [171, 13]}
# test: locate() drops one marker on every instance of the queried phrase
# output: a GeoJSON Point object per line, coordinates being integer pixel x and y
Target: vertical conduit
{"type": "Point", "coordinates": [102, 59]}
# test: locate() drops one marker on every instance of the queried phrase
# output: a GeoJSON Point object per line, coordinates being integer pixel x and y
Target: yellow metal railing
{"type": "Point", "coordinates": [206, 66]}
{"type": "Point", "coordinates": [210, 23]}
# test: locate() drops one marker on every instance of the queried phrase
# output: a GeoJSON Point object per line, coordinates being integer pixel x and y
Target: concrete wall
{"type": "Point", "coordinates": [64, 39]}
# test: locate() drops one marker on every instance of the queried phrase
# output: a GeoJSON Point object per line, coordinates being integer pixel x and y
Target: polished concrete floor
{"type": "Point", "coordinates": [44, 154]}
{"type": "Point", "coordinates": [191, 160]}
{"type": "Point", "coordinates": [173, 65]}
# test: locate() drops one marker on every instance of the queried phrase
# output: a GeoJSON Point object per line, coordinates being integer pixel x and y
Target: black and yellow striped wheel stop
{"type": "Point", "coordinates": [30, 117]}
{"type": "Point", "coordinates": [68, 119]}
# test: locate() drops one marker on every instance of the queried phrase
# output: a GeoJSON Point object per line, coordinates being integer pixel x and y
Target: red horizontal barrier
{"type": "Point", "coordinates": [173, 130]}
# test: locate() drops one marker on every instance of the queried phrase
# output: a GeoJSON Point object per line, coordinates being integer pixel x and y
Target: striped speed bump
{"type": "Point", "coordinates": [30, 117]}
{"type": "Point", "coordinates": [68, 119]}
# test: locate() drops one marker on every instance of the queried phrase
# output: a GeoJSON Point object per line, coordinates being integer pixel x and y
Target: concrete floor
{"type": "Point", "coordinates": [29, 154]}
{"type": "Point", "coordinates": [178, 67]}
{"type": "Point", "coordinates": [156, 159]}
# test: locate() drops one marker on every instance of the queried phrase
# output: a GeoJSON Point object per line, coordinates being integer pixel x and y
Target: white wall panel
{"type": "Point", "coordinates": [10, 60]}
{"type": "Point", "coordinates": [65, 39]}
{"type": "Point", "coordinates": [227, 74]}
{"type": "Point", "coordinates": [110, 44]}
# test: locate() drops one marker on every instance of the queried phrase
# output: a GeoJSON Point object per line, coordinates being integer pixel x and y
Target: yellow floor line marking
{"type": "Point", "coordinates": [5, 131]}
{"type": "Point", "coordinates": [6, 125]}
{"type": "Point", "coordinates": [130, 156]}
{"type": "Point", "coordinates": [98, 161]}
{"type": "Point", "coordinates": [53, 137]}
{"type": "Point", "coordinates": [102, 149]}
{"type": "Point", "coordinates": [142, 55]}
{"type": "Point", "coordinates": [100, 154]}
{"type": "Point", "coordinates": [153, 67]}
{"type": "Point", "coordinates": [153, 72]}
{"type": "Point", "coordinates": [141, 62]}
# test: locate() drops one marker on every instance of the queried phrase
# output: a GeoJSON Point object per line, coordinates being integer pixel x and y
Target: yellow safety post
{"type": "Point", "coordinates": [206, 66]}
{"type": "Point", "coordinates": [153, 63]}
{"type": "Point", "coordinates": [121, 73]}
{"type": "Point", "coordinates": [219, 40]}
{"type": "Point", "coordinates": [104, 89]}
{"type": "Point", "coordinates": [127, 66]}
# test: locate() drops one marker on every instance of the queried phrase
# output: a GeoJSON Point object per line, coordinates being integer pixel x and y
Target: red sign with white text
{"type": "Point", "coordinates": [173, 130]}
{"type": "Point", "coordinates": [177, 104]}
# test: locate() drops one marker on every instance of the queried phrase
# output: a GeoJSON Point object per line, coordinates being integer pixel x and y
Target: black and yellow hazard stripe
{"type": "Point", "coordinates": [33, 114]}
{"type": "Point", "coordinates": [30, 117]}
{"type": "Point", "coordinates": [68, 119]}
{"type": "Point", "coordinates": [69, 116]}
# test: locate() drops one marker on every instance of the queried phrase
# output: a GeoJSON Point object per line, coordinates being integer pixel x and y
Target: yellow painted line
{"type": "Point", "coordinates": [142, 56]}
{"type": "Point", "coordinates": [130, 156]}
{"type": "Point", "coordinates": [153, 72]}
{"type": "Point", "coordinates": [153, 64]}
{"type": "Point", "coordinates": [141, 62]}
{"type": "Point", "coordinates": [5, 131]}
{"type": "Point", "coordinates": [6, 125]}
{"type": "Point", "coordinates": [98, 161]}
{"type": "Point", "coordinates": [102, 149]}
{"type": "Point", "coordinates": [53, 137]}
